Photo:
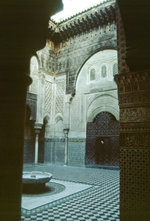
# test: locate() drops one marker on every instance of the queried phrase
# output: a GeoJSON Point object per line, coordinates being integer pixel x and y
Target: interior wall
{"type": "Point", "coordinates": [97, 93]}
{"type": "Point", "coordinates": [92, 96]}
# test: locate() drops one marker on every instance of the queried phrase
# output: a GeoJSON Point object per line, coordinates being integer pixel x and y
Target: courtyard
{"type": "Point", "coordinates": [79, 194]}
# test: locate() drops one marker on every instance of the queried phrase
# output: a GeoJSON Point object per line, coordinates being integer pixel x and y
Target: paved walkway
{"type": "Point", "coordinates": [98, 202]}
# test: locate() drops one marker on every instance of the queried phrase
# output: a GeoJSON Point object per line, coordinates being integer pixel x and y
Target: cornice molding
{"type": "Point", "coordinates": [97, 16]}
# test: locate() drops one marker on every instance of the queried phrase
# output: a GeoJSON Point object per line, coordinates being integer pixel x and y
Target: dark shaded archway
{"type": "Point", "coordinates": [29, 137]}
{"type": "Point", "coordinates": [102, 145]}
{"type": "Point", "coordinates": [42, 141]}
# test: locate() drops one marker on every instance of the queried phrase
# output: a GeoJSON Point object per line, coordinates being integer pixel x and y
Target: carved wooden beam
{"type": "Point", "coordinates": [88, 20]}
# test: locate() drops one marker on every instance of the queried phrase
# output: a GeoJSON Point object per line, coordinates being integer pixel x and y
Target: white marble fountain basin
{"type": "Point", "coordinates": [36, 177]}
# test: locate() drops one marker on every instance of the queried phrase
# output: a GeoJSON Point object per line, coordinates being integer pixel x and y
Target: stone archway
{"type": "Point", "coordinates": [102, 145]}
{"type": "Point", "coordinates": [42, 140]}
{"type": "Point", "coordinates": [29, 137]}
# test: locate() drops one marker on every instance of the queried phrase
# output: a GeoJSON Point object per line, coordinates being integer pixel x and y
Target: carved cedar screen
{"type": "Point", "coordinates": [102, 146]}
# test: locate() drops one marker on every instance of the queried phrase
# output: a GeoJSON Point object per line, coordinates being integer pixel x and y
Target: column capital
{"type": "Point", "coordinates": [37, 127]}
{"type": "Point", "coordinates": [133, 81]}
{"type": "Point", "coordinates": [68, 98]}
{"type": "Point", "coordinates": [66, 131]}
{"type": "Point", "coordinates": [134, 97]}
{"type": "Point", "coordinates": [37, 131]}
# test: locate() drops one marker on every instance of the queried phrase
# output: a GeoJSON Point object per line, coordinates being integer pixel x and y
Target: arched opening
{"type": "Point", "coordinates": [92, 74]}
{"type": "Point", "coordinates": [59, 126]}
{"type": "Point", "coordinates": [42, 140]}
{"type": "Point", "coordinates": [59, 146]}
{"type": "Point", "coordinates": [102, 144]}
{"type": "Point", "coordinates": [103, 71]}
{"type": "Point", "coordinates": [98, 72]}
{"type": "Point", "coordinates": [34, 69]}
{"type": "Point", "coordinates": [93, 97]}
{"type": "Point", "coordinates": [29, 137]}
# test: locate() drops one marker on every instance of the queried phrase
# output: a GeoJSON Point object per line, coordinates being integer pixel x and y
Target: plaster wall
{"type": "Point", "coordinates": [94, 96]}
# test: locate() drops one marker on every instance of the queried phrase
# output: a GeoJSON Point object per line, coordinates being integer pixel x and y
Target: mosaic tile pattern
{"type": "Point", "coordinates": [93, 176]}
{"type": "Point", "coordinates": [98, 203]}
{"type": "Point", "coordinates": [41, 201]}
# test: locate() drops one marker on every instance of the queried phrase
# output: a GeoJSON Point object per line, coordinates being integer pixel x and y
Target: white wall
{"type": "Point", "coordinates": [94, 96]}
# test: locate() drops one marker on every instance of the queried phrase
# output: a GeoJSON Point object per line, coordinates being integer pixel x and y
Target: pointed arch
{"type": "Point", "coordinates": [102, 103]}
{"type": "Point", "coordinates": [101, 62]}
{"type": "Point", "coordinates": [101, 49]}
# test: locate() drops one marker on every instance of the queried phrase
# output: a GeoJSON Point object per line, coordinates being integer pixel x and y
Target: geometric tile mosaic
{"type": "Point", "coordinates": [36, 201]}
{"type": "Point", "coordinates": [100, 202]}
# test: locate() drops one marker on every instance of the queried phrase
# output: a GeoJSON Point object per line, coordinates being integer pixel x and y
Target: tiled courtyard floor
{"type": "Point", "coordinates": [90, 194]}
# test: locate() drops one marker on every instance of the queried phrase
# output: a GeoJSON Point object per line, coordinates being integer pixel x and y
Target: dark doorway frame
{"type": "Point", "coordinates": [102, 142]}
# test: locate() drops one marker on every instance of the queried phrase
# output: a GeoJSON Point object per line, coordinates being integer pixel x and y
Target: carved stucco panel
{"type": "Point", "coordinates": [60, 93]}
{"type": "Point", "coordinates": [139, 114]}
{"type": "Point", "coordinates": [48, 97]}
{"type": "Point", "coordinates": [138, 140]}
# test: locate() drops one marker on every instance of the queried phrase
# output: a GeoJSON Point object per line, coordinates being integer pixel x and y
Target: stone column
{"type": "Point", "coordinates": [134, 99]}
{"type": "Point", "coordinates": [23, 31]}
{"type": "Point", "coordinates": [67, 124]}
{"type": "Point", "coordinates": [68, 99]}
{"type": "Point", "coordinates": [66, 131]}
{"type": "Point", "coordinates": [37, 128]}
{"type": "Point", "coordinates": [36, 146]}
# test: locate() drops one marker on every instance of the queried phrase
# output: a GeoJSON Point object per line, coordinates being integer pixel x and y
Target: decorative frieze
{"type": "Point", "coordinates": [133, 81]}
{"type": "Point", "coordinates": [138, 114]}
{"type": "Point", "coordinates": [77, 140]}
{"type": "Point", "coordinates": [55, 139]}
{"type": "Point", "coordinates": [127, 99]}
{"type": "Point", "coordinates": [136, 140]}
{"type": "Point", "coordinates": [101, 15]}
{"type": "Point", "coordinates": [135, 127]}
